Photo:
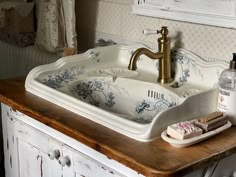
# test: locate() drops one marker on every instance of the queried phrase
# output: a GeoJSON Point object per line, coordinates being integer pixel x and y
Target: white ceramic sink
{"type": "Point", "coordinates": [98, 86]}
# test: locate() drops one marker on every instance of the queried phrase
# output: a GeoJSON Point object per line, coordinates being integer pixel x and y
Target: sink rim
{"type": "Point", "coordinates": [139, 131]}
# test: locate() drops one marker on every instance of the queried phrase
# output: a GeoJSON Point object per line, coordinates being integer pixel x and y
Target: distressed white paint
{"type": "Point", "coordinates": [27, 143]}
{"type": "Point", "coordinates": [33, 147]}
{"type": "Point", "coordinates": [67, 140]}
{"type": "Point", "coordinates": [82, 165]}
{"type": "Point", "coordinates": [28, 149]}
{"type": "Point", "coordinates": [210, 12]}
{"type": "Point", "coordinates": [10, 147]}
{"type": "Point", "coordinates": [34, 163]}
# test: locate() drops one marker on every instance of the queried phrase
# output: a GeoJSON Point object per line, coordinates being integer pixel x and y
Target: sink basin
{"type": "Point", "coordinates": [98, 86]}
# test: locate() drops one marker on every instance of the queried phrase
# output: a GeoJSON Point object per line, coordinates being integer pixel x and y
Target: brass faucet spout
{"type": "Point", "coordinates": [138, 53]}
{"type": "Point", "coordinates": [165, 75]}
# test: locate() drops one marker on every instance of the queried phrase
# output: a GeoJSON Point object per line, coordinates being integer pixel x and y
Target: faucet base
{"type": "Point", "coordinates": [164, 80]}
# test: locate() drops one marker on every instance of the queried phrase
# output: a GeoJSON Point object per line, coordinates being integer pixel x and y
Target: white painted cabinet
{"type": "Point", "coordinates": [30, 152]}
{"type": "Point", "coordinates": [33, 162]}
{"type": "Point", "coordinates": [33, 152]}
{"type": "Point", "coordinates": [32, 149]}
{"type": "Point", "coordinates": [26, 150]}
{"type": "Point", "coordinates": [82, 165]}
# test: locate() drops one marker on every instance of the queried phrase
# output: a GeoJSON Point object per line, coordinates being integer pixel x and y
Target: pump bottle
{"type": "Point", "coordinates": [227, 91]}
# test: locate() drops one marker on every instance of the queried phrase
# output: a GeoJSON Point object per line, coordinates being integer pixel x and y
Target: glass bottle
{"type": "Point", "coordinates": [227, 91]}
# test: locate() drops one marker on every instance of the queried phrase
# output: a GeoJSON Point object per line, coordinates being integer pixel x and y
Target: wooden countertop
{"type": "Point", "coordinates": [152, 159]}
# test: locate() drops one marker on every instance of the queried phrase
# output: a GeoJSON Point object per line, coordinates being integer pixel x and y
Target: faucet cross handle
{"type": "Point", "coordinates": [164, 31]}
{"type": "Point", "coordinates": [149, 31]}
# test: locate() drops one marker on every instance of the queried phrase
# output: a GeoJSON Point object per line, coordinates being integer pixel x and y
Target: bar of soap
{"type": "Point", "coordinates": [211, 124]}
{"type": "Point", "coordinates": [210, 117]}
{"type": "Point", "coordinates": [183, 130]}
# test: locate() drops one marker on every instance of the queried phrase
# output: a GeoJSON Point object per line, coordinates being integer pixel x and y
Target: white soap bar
{"type": "Point", "coordinates": [183, 130]}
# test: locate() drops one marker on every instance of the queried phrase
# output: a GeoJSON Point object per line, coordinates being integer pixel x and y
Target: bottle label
{"type": "Point", "coordinates": [227, 103]}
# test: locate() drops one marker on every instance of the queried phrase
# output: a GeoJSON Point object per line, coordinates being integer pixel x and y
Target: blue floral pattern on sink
{"type": "Point", "coordinates": [106, 94]}
{"type": "Point", "coordinates": [156, 105]}
{"type": "Point", "coordinates": [95, 55]}
{"type": "Point", "coordinates": [60, 78]}
{"type": "Point", "coordinates": [90, 91]}
{"type": "Point", "coordinates": [187, 65]}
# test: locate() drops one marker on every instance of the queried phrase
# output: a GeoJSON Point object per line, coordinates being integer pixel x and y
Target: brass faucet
{"type": "Point", "coordinates": [163, 55]}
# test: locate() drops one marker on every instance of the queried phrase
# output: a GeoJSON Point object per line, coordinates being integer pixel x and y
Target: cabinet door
{"type": "Point", "coordinates": [28, 151]}
{"type": "Point", "coordinates": [10, 148]}
{"type": "Point", "coordinates": [81, 165]}
{"type": "Point", "coordinates": [36, 156]}
{"type": "Point", "coordinates": [34, 163]}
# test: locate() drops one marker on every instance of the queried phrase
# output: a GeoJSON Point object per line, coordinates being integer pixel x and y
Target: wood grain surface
{"type": "Point", "coordinates": [152, 159]}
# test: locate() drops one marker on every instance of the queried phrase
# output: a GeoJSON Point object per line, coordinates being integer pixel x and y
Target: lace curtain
{"type": "Point", "coordinates": [56, 25]}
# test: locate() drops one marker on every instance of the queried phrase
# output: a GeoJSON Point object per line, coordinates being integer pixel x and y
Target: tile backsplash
{"type": "Point", "coordinates": [113, 19]}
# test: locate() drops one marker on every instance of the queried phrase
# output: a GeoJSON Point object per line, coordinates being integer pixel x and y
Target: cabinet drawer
{"type": "Point", "coordinates": [83, 165]}
{"type": "Point", "coordinates": [36, 138]}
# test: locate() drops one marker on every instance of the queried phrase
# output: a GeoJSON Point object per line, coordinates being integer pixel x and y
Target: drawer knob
{"type": "Point", "coordinates": [64, 161]}
{"type": "Point", "coordinates": [54, 154]}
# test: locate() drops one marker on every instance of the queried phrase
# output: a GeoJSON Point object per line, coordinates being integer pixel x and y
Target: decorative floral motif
{"type": "Point", "coordinates": [185, 75]}
{"type": "Point", "coordinates": [60, 78]}
{"type": "Point", "coordinates": [142, 106]}
{"type": "Point", "coordinates": [95, 55]}
{"type": "Point", "coordinates": [141, 1]}
{"type": "Point", "coordinates": [110, 97]}
{"type": "Point", "coordinates": [157, 106]}
{"type": "Point", "coordinates": [185, 63]}
{"type": "Point", "coordinates": [94, 91]}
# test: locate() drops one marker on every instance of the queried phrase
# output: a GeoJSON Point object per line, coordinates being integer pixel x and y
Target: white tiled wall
{"type": "Point", "coordinates": [113, 19]}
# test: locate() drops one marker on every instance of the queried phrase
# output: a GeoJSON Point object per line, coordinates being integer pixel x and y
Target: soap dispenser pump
{"type": "Point", "coordinates": [227, 91]}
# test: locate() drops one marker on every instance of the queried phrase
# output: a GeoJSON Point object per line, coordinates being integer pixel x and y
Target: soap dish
{"type": "Point", "coordinates": [194, 140]}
